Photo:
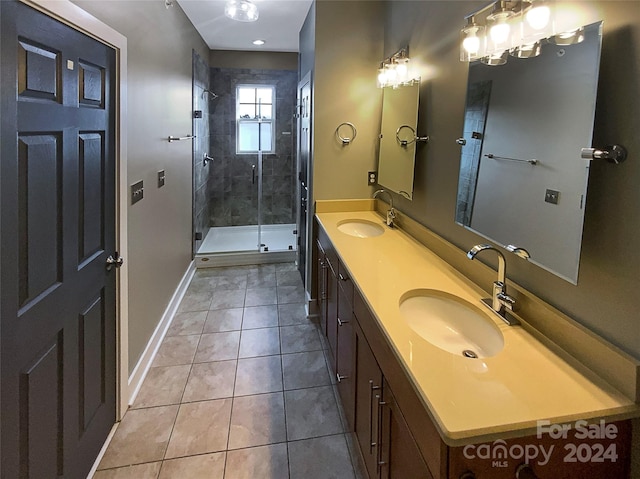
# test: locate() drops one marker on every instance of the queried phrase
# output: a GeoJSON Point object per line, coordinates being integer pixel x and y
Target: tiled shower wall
{"type": "Point", "coordinates": [201, 130]}
{"type": "Point", "coordinates": [233, 191]}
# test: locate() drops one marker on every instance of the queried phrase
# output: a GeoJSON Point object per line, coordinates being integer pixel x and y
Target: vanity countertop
{"type": "Point", "coordinates": [470, 400]}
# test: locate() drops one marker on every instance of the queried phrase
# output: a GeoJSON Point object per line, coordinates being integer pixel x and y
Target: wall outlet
{"type": "Point", "coordinates": [372, 177]}
{"type": "Point", "coordinates": [551, 196]}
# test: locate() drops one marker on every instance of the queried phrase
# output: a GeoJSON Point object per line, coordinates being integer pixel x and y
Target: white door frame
{"type": "Point", "coordinates": [75, 17]}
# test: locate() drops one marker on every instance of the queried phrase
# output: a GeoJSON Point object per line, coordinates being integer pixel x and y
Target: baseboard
{"type": "Point", "coordinates": [94, 468]}
{"type": "Point", "coordinates": [140, 371]}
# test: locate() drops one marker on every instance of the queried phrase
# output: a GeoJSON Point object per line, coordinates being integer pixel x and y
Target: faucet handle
{"type": "Point", "coordinates": [507, 301]}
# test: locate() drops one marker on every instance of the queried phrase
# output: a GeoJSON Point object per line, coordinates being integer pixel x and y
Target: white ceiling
{"type": "Point", "coordinates": [278, 24]}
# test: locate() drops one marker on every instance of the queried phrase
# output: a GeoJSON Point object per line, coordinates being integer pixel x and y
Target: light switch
{"type": "Point", "coordinates": [551, 196]}
{"type": "Point", "coordinates": [161, 176]}
{"type": "Point", "coordinates": [137, 192]}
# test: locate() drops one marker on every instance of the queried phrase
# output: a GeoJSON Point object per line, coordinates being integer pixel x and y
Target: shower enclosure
{"type": "Point", "coordinates": [245, 195]}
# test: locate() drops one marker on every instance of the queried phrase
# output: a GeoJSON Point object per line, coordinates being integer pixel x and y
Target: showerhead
{"type": "Point", "coordinates": [213, 95]}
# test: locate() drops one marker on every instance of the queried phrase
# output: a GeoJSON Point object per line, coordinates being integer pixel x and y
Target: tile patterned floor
{"type": "Point", "coordinates": [239, 389]}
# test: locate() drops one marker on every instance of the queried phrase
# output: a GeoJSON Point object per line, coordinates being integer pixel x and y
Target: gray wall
{"type": "Point", "coordinates": [159, 105]}
{"type": "Point", "coordinates": [605, 299]}
{"type": "Point", "coordinates": [253, 59]}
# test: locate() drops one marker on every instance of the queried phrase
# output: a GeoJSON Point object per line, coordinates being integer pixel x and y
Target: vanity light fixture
{"type": "Point", "coordinates": [515, 27]}
{"type": "Point", "coordinates": [241, 10]}
{"type": "Point", "coordinates": [395, 70]}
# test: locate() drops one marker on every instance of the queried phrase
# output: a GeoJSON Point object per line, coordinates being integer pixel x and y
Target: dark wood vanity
{"type": "Point", "coordinates": [396, 434]}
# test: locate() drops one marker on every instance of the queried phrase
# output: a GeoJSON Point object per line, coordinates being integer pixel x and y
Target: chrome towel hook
{"type": "Point", "coordinates": [346, 139]}
{"type": "Point", "coordinates": [415, 138]}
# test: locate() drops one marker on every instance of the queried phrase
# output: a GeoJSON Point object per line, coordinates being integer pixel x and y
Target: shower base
{"type": "Point", "coordinates": [238, 245]}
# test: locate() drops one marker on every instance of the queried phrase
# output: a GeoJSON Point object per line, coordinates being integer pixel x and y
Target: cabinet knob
{"type": "Point", "coordinates": [340, 378]}
{"type": "Point", "coordinates": [342, 277]}
{"type": "Point", "coordinates": [340, 322]}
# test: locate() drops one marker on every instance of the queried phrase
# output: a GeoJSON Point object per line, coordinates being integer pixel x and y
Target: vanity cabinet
{"type": "Point", "coordinates": [394, 430]}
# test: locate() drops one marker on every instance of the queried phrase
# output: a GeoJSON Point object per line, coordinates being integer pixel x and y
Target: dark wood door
{"type": "Point", "coordinates": [399, 457]}
{"type": "Point", "coordinates": [304, 149]}
{"type": "Point", "coordinates": [368, 397]}
{"type": "Point", "coordinates": [345, 358]}
{"type": "Point", "coordinates": [57, 230]}
{"type": "Point", "coordinates": [332, 313]}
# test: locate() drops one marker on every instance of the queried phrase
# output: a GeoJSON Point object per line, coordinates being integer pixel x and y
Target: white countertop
{"type": "Point", "coordinates": [470, 399]}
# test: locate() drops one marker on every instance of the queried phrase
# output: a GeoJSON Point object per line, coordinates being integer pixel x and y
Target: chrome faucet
{"type": "Point", "coordinates": [500, 301]}
{"type": "Point", "coordinates": [391, 213]}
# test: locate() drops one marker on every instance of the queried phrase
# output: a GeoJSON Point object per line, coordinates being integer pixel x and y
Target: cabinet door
{"type": "Point", "coordinates": [322, 287]}
{"type": "Point", "coordinates": [345, 357]}
{"type": "Point", "coordinates": [368, 394]}
{"type": "Point", "coordinates": [399, 456]}
{"type": "Point", "coordinates": [332, 315]}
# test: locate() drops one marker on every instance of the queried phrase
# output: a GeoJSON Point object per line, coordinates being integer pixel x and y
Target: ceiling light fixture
{"type": "Point", "coordinates": [258, 42]}
{"type": "Point", "coordinates": [241, 11]}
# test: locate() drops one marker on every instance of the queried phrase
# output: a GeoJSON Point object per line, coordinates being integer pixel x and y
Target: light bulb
{"type": "Point", "coordinates": [471, 44]}
{"type": "Point", "coordinates": [382, 77]}
{"type": "Point", "coordinates": [500, 33]}
{"type": "Point", "coordinates": [402, 71]}
{"type": "Point", "coordinates": [538, 17]}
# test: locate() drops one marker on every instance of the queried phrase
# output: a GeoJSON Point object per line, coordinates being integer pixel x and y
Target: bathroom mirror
{"type": "Point", "coordinates": [522, 180]}
{"type": "Point", "coordinates": [397, 138]}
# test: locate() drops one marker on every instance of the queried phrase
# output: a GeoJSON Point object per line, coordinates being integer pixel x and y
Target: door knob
{"type": "Point", "coordinates": [114, 260]}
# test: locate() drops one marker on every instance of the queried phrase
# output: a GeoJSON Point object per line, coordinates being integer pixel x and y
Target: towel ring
{"type": "Point", "coordinates": [346, 140]}
{"type": "Point", "coordinates": [413, 140]}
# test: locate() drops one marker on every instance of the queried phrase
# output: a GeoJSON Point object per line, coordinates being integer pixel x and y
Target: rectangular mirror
{"type": "Point", "coordinates": [397, 138]}
{"type": "Point", "coordinates": [522, 181]}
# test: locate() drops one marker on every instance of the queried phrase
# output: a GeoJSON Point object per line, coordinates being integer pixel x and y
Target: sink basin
{"type": "Point", "coordinates": [451, 323]}
{"type": "Point", "coordinates": [360, 228]}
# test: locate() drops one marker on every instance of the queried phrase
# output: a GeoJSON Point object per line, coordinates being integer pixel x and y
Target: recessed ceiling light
{"type": "Point", "coordinates": [258, 42]}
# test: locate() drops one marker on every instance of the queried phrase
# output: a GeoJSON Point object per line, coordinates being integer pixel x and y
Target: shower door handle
{"type": "Point", "coordinates": [253, 174]}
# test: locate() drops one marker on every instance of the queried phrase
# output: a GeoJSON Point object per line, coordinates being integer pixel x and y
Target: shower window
{"type": "Point", "coordinates": [255, 118]}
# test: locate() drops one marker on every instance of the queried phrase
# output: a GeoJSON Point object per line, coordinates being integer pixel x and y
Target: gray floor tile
{"type": "Point", "coordinates": [299, 338]}
{"type": "Point", "coordinates": [257, 420]}
{"type": "Point", "coordinates": [263, 462]}
{"type": "Point", "coordinates": [142, 436]}
{"type": "Point", "coordinates": [176, 350]}
{"type": "Point", "coordinates": [280, 267]}
{"type": "Point", "coordinates": [218, 347]}
{"type": "Point", "coordinates": [225, 283]}
{"type": "Point", "coordinates": [304, 370]}
{"type": "Point", "coordinates": [184, 324]}
{"type": "Point", "coordinates": [260, 296]}
{"type": "Point", "coordinates": [228, 299]}
{"type": "Point", "coordinates": [291, 294]}
{"type": "Point", "coordinates": [259, 342]}
{"type": "Point", "coordinates": [258, 375]}
{"type": "Point", "coordinates": [311, 412]}
{"type": "Point", "coordinates": [139, 471]}
{"type": "Point", "coordinates": [320, 458]}
{"type": "Point", "coordinates": [205, 466]}
{"type": "Point", "coordinates": [220, 320]}
{"type": "Point", "coordinates": [196, 301]}
{"type": "Point", "coordinates": [162, 386]}
{"type": "Point", "coordinates": [200, 427]}
{"type": "Point", "coordinates": [260, 317]}
{"type": "Point", "coordinates": [288, 278]}
{"type": "Point", "coordinates": [210, 381]}
{"type": "Point", "coordinates": [200, 284]}
{"type": "Point", "coordinates": [261, 279]}
{"type": "Point", "coordinates": [292, 313]}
